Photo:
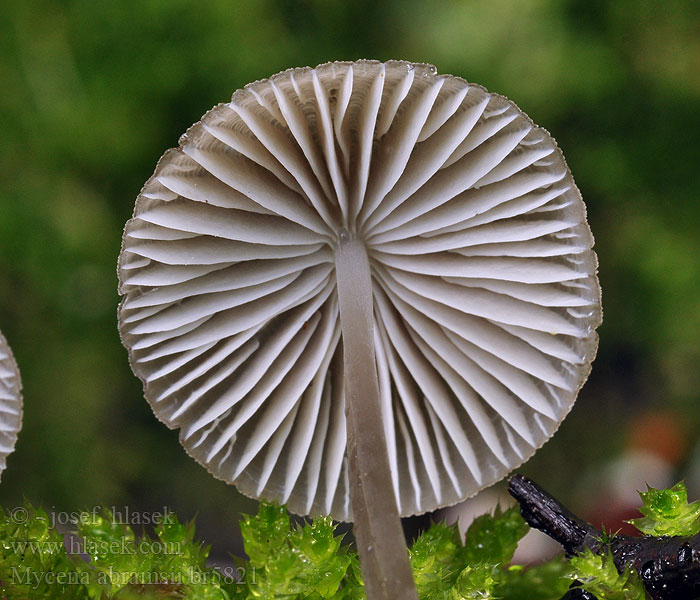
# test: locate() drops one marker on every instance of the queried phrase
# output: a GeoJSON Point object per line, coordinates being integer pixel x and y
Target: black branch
{"type": "Point", "coordinates": [668, 566]}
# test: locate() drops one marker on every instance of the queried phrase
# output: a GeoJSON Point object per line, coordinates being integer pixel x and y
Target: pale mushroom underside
{"type": "Point", "coordinates": [486, 298]}
{"type": "Point", "coordinates": [10, 402]}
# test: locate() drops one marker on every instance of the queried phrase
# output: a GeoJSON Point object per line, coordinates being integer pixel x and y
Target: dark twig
{"type": "Point", "coordinates": [668, 566]}
{"type": "Point", "coordinates": [543, 512]}
{"type": "Point", "coordinates": [576, 593]}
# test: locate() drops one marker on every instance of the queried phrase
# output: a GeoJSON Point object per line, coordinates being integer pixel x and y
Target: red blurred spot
{"type": "Point", "coordinates": [660, 432]}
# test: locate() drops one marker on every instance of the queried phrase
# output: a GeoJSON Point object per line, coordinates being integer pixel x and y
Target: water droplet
{"type": "Point", "coordinates": [685, 556]}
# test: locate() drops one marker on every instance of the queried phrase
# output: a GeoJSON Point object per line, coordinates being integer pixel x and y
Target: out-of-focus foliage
{"type": "Point", "coordinates": [668, 512]}
{"type": "Point", "coordinates": [94, 92]}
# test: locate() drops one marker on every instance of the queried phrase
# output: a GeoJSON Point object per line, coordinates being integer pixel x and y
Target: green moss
{"type": "Point", "coordinates": [35, 562]}
{"type": "Point", "coordinates": [305, 562]}
{"type": "Point", "coordinates": [493, 539]}
{"type": "Point", "coordinates": [598, 575]}
{"type": "Point", "coordinates": [548, 581]}
{"type": "Point", "coordinates": [667, 512]}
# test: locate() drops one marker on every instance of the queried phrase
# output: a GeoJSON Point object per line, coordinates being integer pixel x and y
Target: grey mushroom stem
{"type": "Point", "coordinates": [377, 526]}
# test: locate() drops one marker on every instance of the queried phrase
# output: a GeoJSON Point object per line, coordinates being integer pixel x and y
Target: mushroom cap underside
{"type": "Point", "coordinates": [10, 402]}
{"type": "Point", "coordinates": [486, 297]}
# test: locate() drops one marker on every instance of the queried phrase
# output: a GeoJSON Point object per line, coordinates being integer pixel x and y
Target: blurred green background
{"type": "Point", "coordinates": [94, 91]}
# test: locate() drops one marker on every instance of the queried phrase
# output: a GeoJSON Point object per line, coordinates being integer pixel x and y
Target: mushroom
{"type": "Point", "coordinates": [10, 402]}
{"type": "Point", "coordinates": [362, 289]}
